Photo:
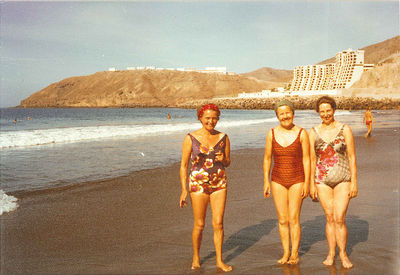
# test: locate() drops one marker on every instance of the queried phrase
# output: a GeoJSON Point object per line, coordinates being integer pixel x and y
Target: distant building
{"type": "Point", "coordinates": [112, 69]}
{"type": "Point", "coordinates": [368, 67]}
{"type": "Point", "coordinates": [347, 69]}
{"type": "Point", "coordinates": [263, 93]}
{"type": "Point", "coordinates": [218, 70]}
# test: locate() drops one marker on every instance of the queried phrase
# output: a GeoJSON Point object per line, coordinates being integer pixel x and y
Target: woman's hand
{"type": "Point", "coordinates": [304, 191]}
{"type": "Point", "coordinates": [353, 190]}
{"type": "Point", "coordinates": [182, 199]}
{"type": "Point", "coordinates": [267, 190]}
{"type": "Point", "coordinates": [313, 191]}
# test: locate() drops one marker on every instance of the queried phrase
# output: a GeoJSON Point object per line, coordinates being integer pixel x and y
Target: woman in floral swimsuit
{"type": "Point", "coordinates": [333, 175]}
{"type": "Point", "coordinates": [209, 152]}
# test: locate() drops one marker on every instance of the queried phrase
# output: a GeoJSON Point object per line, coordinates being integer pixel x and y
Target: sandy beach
{"type": "Point", "coordinates": [133, 225]}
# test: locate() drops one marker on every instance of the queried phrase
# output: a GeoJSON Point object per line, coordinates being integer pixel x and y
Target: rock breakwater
{"type": "Point", "coordinates": [300, 103]}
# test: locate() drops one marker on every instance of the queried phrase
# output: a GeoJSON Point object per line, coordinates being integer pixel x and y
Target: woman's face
{"type": "Point", "coordinates": [209, 119]}
{"type": "Point", "coordinates": [326, 113]}
{"type": "Point", "coordinates": [285, 116]}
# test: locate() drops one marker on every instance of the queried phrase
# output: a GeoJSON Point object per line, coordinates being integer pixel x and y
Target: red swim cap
{"type": "Point", "coordinates": [207, 107]}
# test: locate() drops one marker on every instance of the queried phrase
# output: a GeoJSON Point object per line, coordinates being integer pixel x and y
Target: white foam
{"type": "Point", "coordinates": [342, 113]}
{"type": "Point", "coordinates": [17, 139]}
{"type": "Point", "coordinates": [7, 203]}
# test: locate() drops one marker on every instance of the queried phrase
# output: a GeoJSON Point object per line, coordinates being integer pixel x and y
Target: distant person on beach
{"type": "Point", "coordinates": [288, 144]}
{"type": "Point", "coordinates": [209, 153]}
{"type": "Point", "coordinates": [333, 175]}
{"type": "Point", "coordinates": [168, 116]}
{"type": "Point", "coordinates": [368, 119]}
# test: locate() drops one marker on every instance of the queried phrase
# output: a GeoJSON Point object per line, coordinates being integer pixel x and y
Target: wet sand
{"type": "Point", "coordinates": [133, 225]}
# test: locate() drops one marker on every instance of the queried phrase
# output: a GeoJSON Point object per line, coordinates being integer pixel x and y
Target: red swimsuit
{"type": "Point", "coordinates": [288, 162]}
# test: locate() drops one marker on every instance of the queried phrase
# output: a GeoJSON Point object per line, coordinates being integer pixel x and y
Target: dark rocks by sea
{"type": "Point", "coordinates": [300, 103]}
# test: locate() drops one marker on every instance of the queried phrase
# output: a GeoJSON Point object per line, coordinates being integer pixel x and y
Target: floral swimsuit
{"type": "Point", "coordinates": [332, 161]}
{"type": "Point", "coordinates": [206, 174]}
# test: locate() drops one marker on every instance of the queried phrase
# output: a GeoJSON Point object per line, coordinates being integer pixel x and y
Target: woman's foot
{"type": "Point", "coordinates": [224, 267]}
{"type": "Point", "coordinates": [284, 259]}
{"type": "Point", "coordinates": [294, 258]}
{"type": "Point", "coordinates": [345, 260]}
{"type": "Point", "coordinates": [195, 263]}
{"type": "Point", "coordinates": [329, 260]}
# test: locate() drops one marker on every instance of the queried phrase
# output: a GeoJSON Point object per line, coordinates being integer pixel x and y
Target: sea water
{"type": "Point", "coordinates": [47, 148]}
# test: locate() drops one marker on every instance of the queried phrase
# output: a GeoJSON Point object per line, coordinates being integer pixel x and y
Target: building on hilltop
{"type": "Point", "coordinates": [347, 69]}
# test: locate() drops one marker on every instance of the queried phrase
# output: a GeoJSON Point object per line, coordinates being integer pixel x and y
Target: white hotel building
{"type": "Point", "coordinates": [347, 69]}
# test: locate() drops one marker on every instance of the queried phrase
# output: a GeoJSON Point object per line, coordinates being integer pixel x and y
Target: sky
{"type": "Point", "coordinates": [45, 42]}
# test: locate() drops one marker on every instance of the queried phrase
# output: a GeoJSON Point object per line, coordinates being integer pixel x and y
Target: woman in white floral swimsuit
{"type": "Point", "coordinates": [209, 152]}
{"type": "Point", "coordinates": [333, 175]}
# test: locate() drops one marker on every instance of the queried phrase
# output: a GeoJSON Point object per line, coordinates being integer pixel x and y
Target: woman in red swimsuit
{"type": "Point", "coordinates": [288, 144]}
{"type": "Point", "coordinates": [209, 152]}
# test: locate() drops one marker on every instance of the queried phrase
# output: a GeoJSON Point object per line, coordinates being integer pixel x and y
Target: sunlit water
{"type": "Point", "coordinates": [56, 147]}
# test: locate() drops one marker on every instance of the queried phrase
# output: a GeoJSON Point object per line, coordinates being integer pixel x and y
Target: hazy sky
{"type": "Point", "coordinates": [45, 42]}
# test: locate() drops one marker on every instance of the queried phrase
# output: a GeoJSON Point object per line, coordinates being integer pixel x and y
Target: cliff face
{"type": "Point", "coordinates": [376, 53]}
{"type": "Point", "coordinates": [384, 75]}
{"type": "Point", "coordinates": [140, 88]}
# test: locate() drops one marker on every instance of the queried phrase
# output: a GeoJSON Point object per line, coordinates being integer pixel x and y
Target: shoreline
{"type": "Point", "coordinates": [133, 225]}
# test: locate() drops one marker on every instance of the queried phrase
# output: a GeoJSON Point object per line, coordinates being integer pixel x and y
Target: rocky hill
{"type": "Point", "coordinates": [385, 75]}
{"type": "Point", "coordinates": [164, 88]}
{"type": "Point", "coordinates": [140, 88]}
{"type": "Point", "coordinates": [376, 53]}
{"type": "Point", "coordinates": [275, 76]}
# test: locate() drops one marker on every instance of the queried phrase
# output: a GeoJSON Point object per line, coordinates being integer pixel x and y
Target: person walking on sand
{"type": "Point", "coordinates": [209, 152]}
{"type": "Point", "coordinates": [288, 144]}
{"type": "Point", "coordinates": [333, 175]}
{"type": "Point", "coordinates": [368, 118]}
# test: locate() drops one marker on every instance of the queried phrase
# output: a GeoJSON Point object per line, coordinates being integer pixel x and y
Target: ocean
{"type": "Point", "coordinates": [53, 147]}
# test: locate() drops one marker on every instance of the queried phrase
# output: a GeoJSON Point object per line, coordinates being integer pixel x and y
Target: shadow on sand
{"type": "Point", "coordinates": [313, 231]}
{"type": "Point", "coordinates": [244, 239]}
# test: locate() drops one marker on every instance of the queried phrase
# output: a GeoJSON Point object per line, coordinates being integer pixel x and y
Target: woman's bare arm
{"type": "Point", "coordinates": [267, 164]}
{"type": "Point", "coordinates": [351, 153]}
{"type": "Point", "coordinates": [313, 163]}
{"type": "Point", "coordinates": [227, 159]}
{"type": "Point", "coordinates": [305, 145]}
{"type": "Point", "coordinates": [186, 150]}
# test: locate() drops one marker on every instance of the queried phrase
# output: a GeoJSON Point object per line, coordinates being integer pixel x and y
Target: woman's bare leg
{"type": "Point", "coordinates": [326, 198]}
{"type": "Point", "coordinates": [341, 203]}
{"type": "Point", "coordinates": [199, 205]}
{"type": "Point", "coordinates": [295, 202]}
{"type": "Point", "coordinates": [217, 201]}
{"type": "Point", "coordinates": [281, 197]}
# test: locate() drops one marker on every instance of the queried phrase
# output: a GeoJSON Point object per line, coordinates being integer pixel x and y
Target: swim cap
{"type": "Point", "coordinates": [284, 102]}
{"type": "Point", "coordinates": [207, 107]}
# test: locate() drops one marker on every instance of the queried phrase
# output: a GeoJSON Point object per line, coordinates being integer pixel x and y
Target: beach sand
{"type": "Point", "coordinates": [133, 225]}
